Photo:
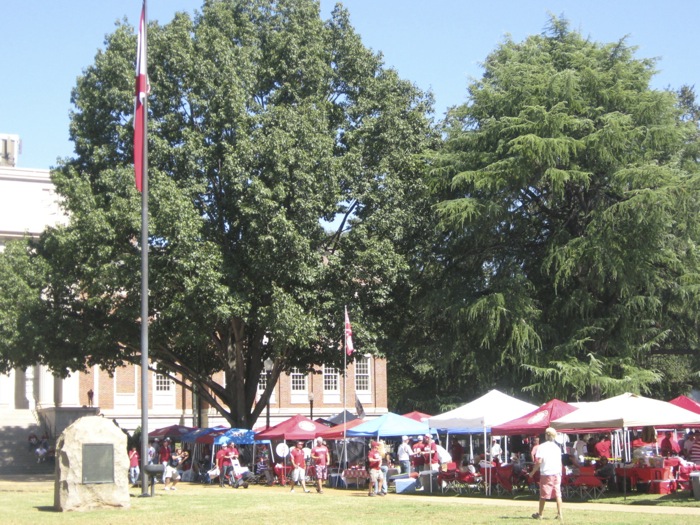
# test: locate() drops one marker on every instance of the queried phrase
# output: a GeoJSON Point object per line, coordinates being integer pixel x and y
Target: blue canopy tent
{"type": "Point", "coordinates": [242, 436]}
{"type": "Point", "coordinates": [389, 425]}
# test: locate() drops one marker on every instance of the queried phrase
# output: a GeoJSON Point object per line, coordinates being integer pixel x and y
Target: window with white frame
{"type": "Point", "coordinates": [362, 379]}
{"type": "Point", "coordinates": [163, 383]}
{"type": "Point", "coordinates": [298, 386]}
{"type": "Point", "coordinates": [262, 385]}
{"type": "Point", "coordinates": [331, 385]}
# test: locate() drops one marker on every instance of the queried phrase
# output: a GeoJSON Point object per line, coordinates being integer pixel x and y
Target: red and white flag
{"type": "Point", "coordinates": [349, 348]}
{"type": "Point", "coordinates": [142, 89]}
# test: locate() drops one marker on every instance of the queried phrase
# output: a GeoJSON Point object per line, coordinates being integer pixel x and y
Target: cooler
{"type": "Point", "coordinates": [405, 485]}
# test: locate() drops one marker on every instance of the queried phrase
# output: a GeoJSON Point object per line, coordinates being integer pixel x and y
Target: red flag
{"type": "Point", "coordinates": [349, 348]}
{"type": "Point", "coordinates": [140, 104]}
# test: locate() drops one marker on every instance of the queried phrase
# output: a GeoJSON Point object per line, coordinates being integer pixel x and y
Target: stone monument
{"type": "Point", "coordinates": [92, 466]}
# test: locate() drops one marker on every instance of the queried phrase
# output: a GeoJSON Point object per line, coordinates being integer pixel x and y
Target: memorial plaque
{"type": "Point", "coordinates": [98, 463]}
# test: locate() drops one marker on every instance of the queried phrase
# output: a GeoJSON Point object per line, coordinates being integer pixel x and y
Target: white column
{"type": "Point", "coordinates": [7, 390]}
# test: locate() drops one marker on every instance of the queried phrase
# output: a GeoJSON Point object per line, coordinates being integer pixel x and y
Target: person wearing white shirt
{"type": "Point", "coordinates": [548, 462]}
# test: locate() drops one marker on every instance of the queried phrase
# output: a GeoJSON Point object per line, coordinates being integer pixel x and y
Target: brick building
{"type": "Point", "coordinates": [28, 204]}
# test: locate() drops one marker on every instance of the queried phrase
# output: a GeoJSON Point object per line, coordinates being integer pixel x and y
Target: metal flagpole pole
{"type": "Point", "coordinates": [345, 390]}
{"type": "Point", "coordinates": [144, 277]}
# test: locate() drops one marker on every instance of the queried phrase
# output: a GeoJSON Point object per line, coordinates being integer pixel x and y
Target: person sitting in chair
{"type": "Point", "coordinates": [605, 471]}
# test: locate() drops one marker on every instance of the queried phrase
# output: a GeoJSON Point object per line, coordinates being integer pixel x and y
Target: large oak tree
{"type": "Point", "coordinates": [283, 183]}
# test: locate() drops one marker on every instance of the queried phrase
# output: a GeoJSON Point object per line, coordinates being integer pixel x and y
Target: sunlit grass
{"type": "Point", "coordinates": [32, 503]}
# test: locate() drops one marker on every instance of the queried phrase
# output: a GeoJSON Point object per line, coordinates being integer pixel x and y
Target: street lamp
{"type": "Point", "coordinates": [311, 405]}
{"type": "Point", "coordinates": [268, 364]}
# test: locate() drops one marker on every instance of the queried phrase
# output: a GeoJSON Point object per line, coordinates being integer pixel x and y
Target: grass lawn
{"type": "Point", "coordinates": [25, 502]}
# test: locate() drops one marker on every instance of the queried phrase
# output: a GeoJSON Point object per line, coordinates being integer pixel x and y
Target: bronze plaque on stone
{"type": "Point", "coordinates": [98, 463]}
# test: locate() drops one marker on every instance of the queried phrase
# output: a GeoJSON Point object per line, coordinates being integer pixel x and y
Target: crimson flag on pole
{"type": "Point", "coordinates": [140, 103]}
{"type": "Point", "coordinates": [349, 348]}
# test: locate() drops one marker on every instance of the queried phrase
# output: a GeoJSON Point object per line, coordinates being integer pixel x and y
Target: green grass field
{"type": "Point", "coordinates": [32, 503]}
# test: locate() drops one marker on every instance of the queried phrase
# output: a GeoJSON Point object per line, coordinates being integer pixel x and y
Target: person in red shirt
{"type": "Point", "coordinates": [134, 466]}
{"type": "Point", "coordinates": [320, 456]}
{"type": "Point", "coordinates": [223, 461]}
{"type": "Point", "coordinates": [603, 447]}
{"type": "Point", "coordinates": [374, 460]}
{"type": "Point", "coordinates": [164, 454]}
{"type": "Point", "coordinates": [299, 464]}
{"type": "Point", "coordinates": [430, 455]}
{"type": "Point", "coordinates": [669, 446]}
{"type": "Point", "coordinates": [417, 457]}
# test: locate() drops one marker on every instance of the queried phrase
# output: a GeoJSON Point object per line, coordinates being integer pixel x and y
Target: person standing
{"type": "Point", "coordinates": [320, 456]}
{"type": "Point", "coordinates": [224, 464]}
{"type": "Point", "coordinates": [404, 455]}
{"type": "Point", "coordinates": [496, 450]}
{"type": "Point", "coordinates": [695, 450]}
{"type": "Point", "coordinates": [430, 453]}
{"type": "Point", "coordinates": [548, 462]}
{"type": "Point", "coordinates": [374, 460]}
{"type": "Point", "coordinates": [299, 464]}
{"type": "Point", "coordinates": [580, 448]}
{"type": "Point", "coordinates": [603, 447]}
{"type": "Point", "coordinates": [164, 454]}
{"type": "Point", "coordinates": [535, 447]}
{"type": "Point", "coordinates": [134, 469]}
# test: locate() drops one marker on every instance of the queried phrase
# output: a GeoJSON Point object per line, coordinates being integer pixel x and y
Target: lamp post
{"type": "Point", "coordinates": [311, 405]}
{"type": "Point", "coordinates": [268, 364]}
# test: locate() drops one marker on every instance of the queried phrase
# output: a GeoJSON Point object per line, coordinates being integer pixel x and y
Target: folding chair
{"type": "Point", "coordinates": [504, 480]}
{"type": "Point", "coordinates": [587, 485]}
{"type": "Point", "coordinates": [447, 479]}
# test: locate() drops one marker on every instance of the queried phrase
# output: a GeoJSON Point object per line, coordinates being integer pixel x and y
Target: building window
{"type": "Point", "coordinates": [298, 380]}
{"type": "Point", "coordinates": [163, 383]}
{"type": "Point", "coordinates": [299, 387]}
{"type": "Point", "coordinates": [262, 385]}
{"type": "Point", "coordinates": [330, 379]}
{"type": "Point", "coordinates": [331, 385]}
{"type": "Point", "coordinates": [362, 374]}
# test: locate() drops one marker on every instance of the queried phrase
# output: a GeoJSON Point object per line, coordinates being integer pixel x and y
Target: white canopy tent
{"type": "Point", "coordinates": [626, 411]}
{"type": "Point", "coordinates": [493, 408]}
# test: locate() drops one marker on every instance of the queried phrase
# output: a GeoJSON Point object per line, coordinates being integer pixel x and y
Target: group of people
{"type": "Point", "coordinates": [41, 447]}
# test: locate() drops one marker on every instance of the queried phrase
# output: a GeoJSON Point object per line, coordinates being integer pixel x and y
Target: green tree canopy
{"type": "Point", "coordinates": [284, 183]}
{"type": "Point", "coordinates": [569, 205]}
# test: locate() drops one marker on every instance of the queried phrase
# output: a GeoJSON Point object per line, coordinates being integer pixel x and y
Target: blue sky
{"type": "Point", "coordinates": [437, 44]}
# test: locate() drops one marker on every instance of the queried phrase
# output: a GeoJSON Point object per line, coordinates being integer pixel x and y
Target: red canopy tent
{"type": "Point", "coordinates": [418, 416]}
{"type": "Point", "coordinates": [174, 432]}
{"type": "Point", "coordinates": [295, 428]}
{"type": "Point", "coordinates": [338, 431]}
{"type": "Point", "coordinates": [687, 403]}
{"type": "Point", "coordinates": [536, 421]}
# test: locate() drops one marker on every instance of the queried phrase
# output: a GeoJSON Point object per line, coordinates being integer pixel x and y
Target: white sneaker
{"type": "Point", "coordinates": [166, 488]}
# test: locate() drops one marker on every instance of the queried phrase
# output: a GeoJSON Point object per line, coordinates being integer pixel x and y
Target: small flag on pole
{"type": "Point", "coordinates": [140, 103]}
{"type": "Point", "coordinates": [359, 408]}
{"type": "Point", "coordinates": [349, 348]}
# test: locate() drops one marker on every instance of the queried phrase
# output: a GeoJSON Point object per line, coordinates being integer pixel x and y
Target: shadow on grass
{"type": "Point", "coordinates": [46, 508]}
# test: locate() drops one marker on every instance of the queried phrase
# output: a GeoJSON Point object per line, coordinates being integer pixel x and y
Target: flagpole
{"type": "Point", "coordinates": [144, 271]}
{"type": "Point", "coordinates": [345, 388]}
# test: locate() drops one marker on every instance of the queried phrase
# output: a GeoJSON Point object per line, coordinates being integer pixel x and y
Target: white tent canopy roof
{"type": "Point", "coordinates": [493, 408]}
{"type": "Point", "coordinates": [626, 411]}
